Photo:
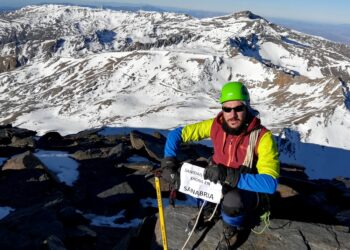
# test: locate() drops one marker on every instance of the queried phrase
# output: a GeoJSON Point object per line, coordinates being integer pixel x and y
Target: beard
{"type": "Point", "coordinates": [233, 131]}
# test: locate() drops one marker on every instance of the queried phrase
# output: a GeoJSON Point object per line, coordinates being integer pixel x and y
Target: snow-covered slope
{"type": "Point", "coordinates": [71, 68]}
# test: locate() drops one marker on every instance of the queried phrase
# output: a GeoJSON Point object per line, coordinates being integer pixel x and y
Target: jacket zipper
{"type": "Point", "coordinates": [229, 152]}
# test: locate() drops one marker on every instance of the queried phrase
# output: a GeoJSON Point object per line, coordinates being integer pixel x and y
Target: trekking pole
{"type": "Point", "coordinates": [161, 214]}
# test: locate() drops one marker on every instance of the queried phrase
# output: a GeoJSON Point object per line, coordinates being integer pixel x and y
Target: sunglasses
{"type": "Point", "coordinates": [236, 109]}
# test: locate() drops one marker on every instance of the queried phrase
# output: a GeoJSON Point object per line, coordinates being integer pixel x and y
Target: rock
{"type": "Point", "coordinates": [152, 145]}
{"type": "Point", "coordinates": [119, 151]}
{"type": "Point", "coordinates": [80, 237]}
{"type": "Point", "coordinates": [22, 142]}
{"type": "Point", "coordinates": [110, 183]}
{"type": "Point", "coordinates": [342, 185]}
{"type": "Point", "coordinates": [113, 153]}
{"type": "Point", "coordinates": [8, 132]}
{"type": "Point", "coordinates": [6, 126]}
{"type": "Point", "coordinates": [7, 63]}
{"type": "Point", "coordinates": [53, 140]}
{"type": "Point", "coordinates": [26, 160]}
{"type": "Point", "coordinates": [176, 220]}
{"type": "Point", "coordinates": [286, 191]}
{"type": "Point", "coordinates": [89, 154]}
{"type": "Point", "coordinates": [141, 167]}
{"type": "Point", "coordinates": [28, 228]}
{"type": "Point", "coordinates": [53, 243]}
{"type": "Point", "coordinates": [88, 133]}
{"type": "Point", "coordinates": [344, 217]}
{"type": "Point", "coordinates": [69, 216]}
{"type": "Point", "coordinates": [5, 137]}
{"type": "Point", "coordinates": [80, 233]}
{"type": "Point", "coordinates": [298, 235]}
{"type": "Point", "coordinates": [293, 171]}
{"type": "Point", "coordinates": [279, 235]}
{"type": "Point", "coordinates": [122, 189]}
{"type": "Point", "coordinates": [8, 151]}
{"type": "Point", "coordinates": [26, 187]}
{"type": "Point", "coordinates": [128, 240]}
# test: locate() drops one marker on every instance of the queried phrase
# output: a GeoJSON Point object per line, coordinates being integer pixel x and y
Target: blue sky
{"type": "Point", "coordinates": [326, 11]}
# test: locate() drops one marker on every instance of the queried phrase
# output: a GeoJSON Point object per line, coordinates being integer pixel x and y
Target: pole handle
{"type": "Point", "coordinates": [161, 214]}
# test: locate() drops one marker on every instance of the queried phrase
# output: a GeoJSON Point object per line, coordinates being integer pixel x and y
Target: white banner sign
{"type": "Point", "coordinates": [193, 183]}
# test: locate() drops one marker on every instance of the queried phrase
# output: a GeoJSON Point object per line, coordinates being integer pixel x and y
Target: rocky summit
{"type": "Point", "coordinates": [94, 190]}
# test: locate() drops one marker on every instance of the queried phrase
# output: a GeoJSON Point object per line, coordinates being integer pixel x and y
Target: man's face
{"type": "Point", "coordinates": [234, 118]}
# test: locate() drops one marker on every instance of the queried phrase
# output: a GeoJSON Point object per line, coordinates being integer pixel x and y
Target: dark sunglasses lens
{"type": "Point", "coordinates": [239, 108]}
{"type": "Point", "coordinates": [236, 109]}
{"type": "Point", "coordinates": [227, 110]}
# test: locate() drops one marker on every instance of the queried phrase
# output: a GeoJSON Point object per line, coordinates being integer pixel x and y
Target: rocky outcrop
{"type": "Point", "coordinates": [280, 234]}
{"type": "Point", "coordinates": [7, 63]}
{"type": "Point", "coordinates": [112, 202]}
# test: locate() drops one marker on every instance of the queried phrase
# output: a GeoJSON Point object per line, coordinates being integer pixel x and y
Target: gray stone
{"type": "Point", "coordinates": [5, 138]}
{"type": "Point", "coordinates": [298, 235]}
{"type": "Point", "coordinates": [120, 189]}
{"type": "Point", "coordinates": [176, 220]}
{"type": "Point", "coordinates": [22, 142]}
{"type": "Point", "coordinates": [26, 160]}
{"type": "Point", "coordinates": [28, 228]}
{"type": "Point", "coordinates": [129, 240]}
{"type": "Point", "coordinates": [344, 217]}
{"type": "Point", "coordinates": [89, 154]}
{"type": "Point", "coordinates": [286, 191]}
{"type": "Point", "coordinates": [53, 243]}
{"type": "Point", "coordinates": [154, 146]}
{"type": "Point", "coordinates": [80, 232]}
{"type": "Point", "coordinates": [54, 141]}
{"type": "Point", "coordinates": [112, 153]}
{"type": "Point", "coordinates": [7, 133]}
{"type": "Point", "coordinates": [7, 63]}
{"type": "Point", "coordinates": [280, 234]}
{"type": "Point", "coordinates": [141, 167]}
{"type": "Point", "coordinates": [69, 216]}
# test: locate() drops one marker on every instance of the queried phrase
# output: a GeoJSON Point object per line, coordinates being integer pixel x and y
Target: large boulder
{"type": "Point", "coordinates": [29, 228]}
{"type": "Point", "coordinates": [153, 145]}
{"type": "Point", "coordinates": [279, 235]}
{"type": "Point", "coordinates": [27, 142]}
{"type": "Point", "coordinates": [7, 132]}
{"type": "Point", "coordinates": [25, 160]}
{"type": "Point", "coordinates": [54, 141]}
{"type": "Point", "coordinates": [113, 153]}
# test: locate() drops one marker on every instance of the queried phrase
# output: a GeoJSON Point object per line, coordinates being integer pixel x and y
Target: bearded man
{"type": "Point", "coordinates": [245, 160]}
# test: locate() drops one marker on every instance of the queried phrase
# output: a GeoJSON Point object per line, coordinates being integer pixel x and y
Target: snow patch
{"type": "Point", "coordinates": [59, 163]}
{"type": "Point", "coordinates": [4, 211]}
{"type": "Point", "coordinates": [109, 221]}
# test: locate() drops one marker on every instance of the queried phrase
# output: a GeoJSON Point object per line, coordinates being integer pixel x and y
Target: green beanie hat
{"type": "Point", "coordinates": [234, 91]}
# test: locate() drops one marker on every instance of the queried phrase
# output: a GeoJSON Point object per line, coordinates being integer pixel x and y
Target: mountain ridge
{"type": "Point", "coordinates": [65, 58]}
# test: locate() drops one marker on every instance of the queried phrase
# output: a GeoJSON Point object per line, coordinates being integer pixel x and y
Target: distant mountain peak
{"type": "Point", "coordinates": [248, 14]}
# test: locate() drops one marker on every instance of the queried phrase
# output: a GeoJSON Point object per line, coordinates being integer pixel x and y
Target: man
{"type": "Point", "coordinates": [245, 159]}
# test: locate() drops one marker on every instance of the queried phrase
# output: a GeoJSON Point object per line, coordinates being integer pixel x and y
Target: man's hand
{"type": "Point", "coordinates": [170, 171]}
{"type": "Point", "coordinates": [215, 173]}
{"type": "Point", "coordinates": [224, 175]}
{"type": "Point", "coordinates": [232, 177]}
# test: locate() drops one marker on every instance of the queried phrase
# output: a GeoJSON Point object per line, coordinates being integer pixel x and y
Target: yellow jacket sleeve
{"type": "Point", "coordinates": [197, 131]}
{"type": "Point", "coordinates": [268, 162]}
